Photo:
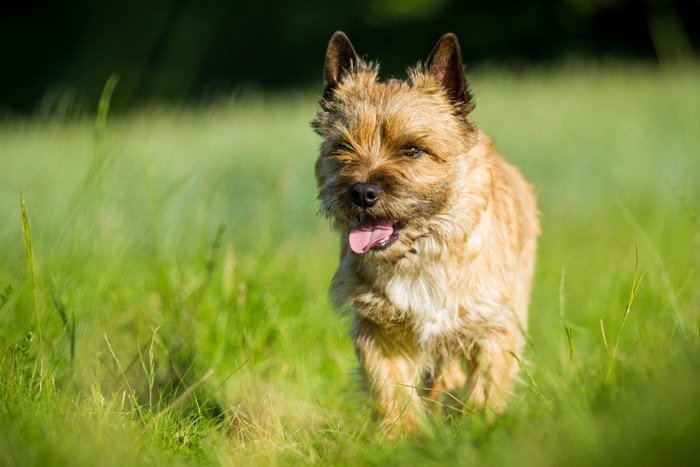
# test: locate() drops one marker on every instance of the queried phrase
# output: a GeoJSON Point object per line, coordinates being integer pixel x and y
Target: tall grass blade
{"type": "Point", "coordinates": [534, 387]}
{"type": "Point", "coordinates": [633, 293]}
{"type": "Point", "coordinates": [569, 330]}
{"type": "Point", "coordinates": [5, 296]}
{"type": "Point", "coordinates": [150, 371]}
{"type": "Point", "coordinates": [628, 307]}
{"type": "Point", "coordinates": [68, 323]}
{"type": "Point", "coordinates": [132, 393]}
{"type": "Point", "coordinates": [100, 162]}
{"type": "Point", "coordinates": [605, 338]}
{"type": "Point", "coordinates": [27, 235]}
{"type": "Point", "coordinates": [212, 262]}
{"type": "Point", "coordinates": [104, 104]}
{"type": "Point", "coordinates": [663, 269]}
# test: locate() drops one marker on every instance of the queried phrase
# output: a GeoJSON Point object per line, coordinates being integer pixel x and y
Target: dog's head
{"type": "Point", "coordinates": [386, 170]}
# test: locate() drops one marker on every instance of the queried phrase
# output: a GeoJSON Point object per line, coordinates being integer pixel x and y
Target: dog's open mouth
{"type": "Point", "coordinates": [373, 234]}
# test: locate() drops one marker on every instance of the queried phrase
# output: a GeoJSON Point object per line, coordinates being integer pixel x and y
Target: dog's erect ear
{"type": "Point", "coordinates": [445, 63]}
{"type": "Point", "coordinates": [340, 57]}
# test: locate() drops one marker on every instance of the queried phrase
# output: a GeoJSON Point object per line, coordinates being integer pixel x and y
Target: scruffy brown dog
{"type": "Point", "coordinates": [438, 234]}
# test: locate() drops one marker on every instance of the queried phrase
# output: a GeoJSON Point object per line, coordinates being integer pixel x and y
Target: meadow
{"type": "Point", "coordinates": [164, 274]}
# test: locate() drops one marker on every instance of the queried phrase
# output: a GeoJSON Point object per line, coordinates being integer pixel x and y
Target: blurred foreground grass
{"type": "Point", "coordinates": [180, 311]}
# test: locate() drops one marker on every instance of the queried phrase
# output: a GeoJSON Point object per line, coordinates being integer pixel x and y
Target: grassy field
{"type": "Point", "coordinates": [163, 280]}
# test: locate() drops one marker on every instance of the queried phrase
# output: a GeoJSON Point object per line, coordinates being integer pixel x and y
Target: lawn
{"type": "Point", "coordinates": [163, 284]}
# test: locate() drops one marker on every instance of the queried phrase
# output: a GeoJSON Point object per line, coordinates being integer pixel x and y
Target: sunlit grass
{"type": "Point", "coordinates": [180, 273]}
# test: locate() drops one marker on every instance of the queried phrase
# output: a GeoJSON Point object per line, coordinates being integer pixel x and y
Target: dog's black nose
{"type": "Point", "coordinates": [364, 195]}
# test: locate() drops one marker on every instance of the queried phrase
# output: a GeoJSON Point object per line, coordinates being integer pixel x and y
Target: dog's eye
{"type": "Point", "coordinates": [412, 152]}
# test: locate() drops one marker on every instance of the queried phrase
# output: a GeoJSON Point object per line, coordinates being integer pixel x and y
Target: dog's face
{"type": "Point", "coordinates": [386, 167]}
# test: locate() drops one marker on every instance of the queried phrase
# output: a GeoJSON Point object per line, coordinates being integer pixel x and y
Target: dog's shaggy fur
{"type": "Point", "coordinates": [438, 234]}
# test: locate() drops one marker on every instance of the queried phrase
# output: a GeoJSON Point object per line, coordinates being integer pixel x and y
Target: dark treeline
{"type": "Point", "coordinates": [56, 56]}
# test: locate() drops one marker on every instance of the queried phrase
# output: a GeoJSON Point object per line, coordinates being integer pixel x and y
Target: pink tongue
{"type": "Point", "coordinates": [367, 234]}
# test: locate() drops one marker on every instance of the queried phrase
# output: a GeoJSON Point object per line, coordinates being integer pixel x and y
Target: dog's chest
{"type": "Point", "coordinates": [423, 295]}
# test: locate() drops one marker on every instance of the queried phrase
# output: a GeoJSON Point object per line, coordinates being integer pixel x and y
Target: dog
{"type": "Point", "coordinates": [437, 235]}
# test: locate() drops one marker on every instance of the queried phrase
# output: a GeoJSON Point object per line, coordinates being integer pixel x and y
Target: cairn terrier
{"type": "Point", "coordinates": [437, 231]}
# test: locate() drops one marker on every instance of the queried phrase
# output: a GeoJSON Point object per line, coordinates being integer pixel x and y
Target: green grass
{"type": "Point", "coordinates": [163, 280]}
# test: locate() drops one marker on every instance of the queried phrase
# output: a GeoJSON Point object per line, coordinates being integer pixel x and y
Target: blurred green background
{"type": "Point", "coordinates": [56, 56]}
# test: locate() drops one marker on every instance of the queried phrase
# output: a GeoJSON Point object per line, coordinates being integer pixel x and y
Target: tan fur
{"type": "Point", "coordinates": [452, 292]}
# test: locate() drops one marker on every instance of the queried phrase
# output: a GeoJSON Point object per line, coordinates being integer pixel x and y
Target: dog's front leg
{"type": "Point", "coordinates": [493, 368]}
{"type": "Point", "coordinates": [391, 368]}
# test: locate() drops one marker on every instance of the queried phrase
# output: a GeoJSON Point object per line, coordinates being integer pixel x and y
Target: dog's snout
{"type": "Point", "coordinates": [364, 195]}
